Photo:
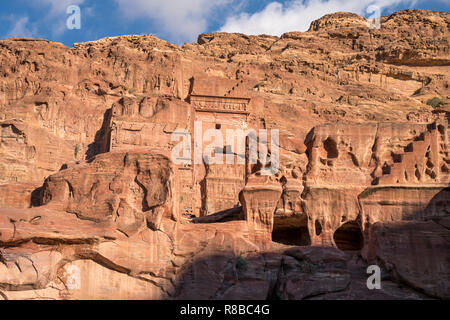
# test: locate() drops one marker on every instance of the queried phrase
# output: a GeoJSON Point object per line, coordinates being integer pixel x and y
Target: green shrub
{"type": "Point", "coordinates": [435, 102]}
{"type": "Point", "coordinates": [259, 84]}
{"type": "Point", "coordinates": [77, 149]}
{"type": "Point", "coordinates": [240, 263]}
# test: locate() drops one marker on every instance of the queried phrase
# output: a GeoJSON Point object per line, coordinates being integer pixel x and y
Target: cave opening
{"type": "Point", "coordinates": [291, 230]}
{"type": "Point", "coordinates": [331, 148]}
{"type": "Point", "coordinates": [318, 226]}
{"type": "Point", "coordinates": [348, 237]}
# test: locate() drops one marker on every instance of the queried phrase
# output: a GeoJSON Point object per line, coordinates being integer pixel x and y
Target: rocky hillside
{"type": "Point", "coordinates": [70, 204]}
{"type": "Point", "coordinates": [53, 98]}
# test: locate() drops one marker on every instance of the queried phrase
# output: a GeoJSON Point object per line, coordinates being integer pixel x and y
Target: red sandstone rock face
{"type": "Point", "coordinates": [92, 199]}
{"type": "Point", "coordinates": [114, 186]}
{"type": "Point", "coordinates": [412, 251]}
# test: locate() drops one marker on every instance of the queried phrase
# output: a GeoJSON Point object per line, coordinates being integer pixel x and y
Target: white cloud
{"type": "Point", "coordinates": [53, 19]}
{"type": "Point", "coordinates": [56, 16]}
{"type": "Point", "coordinates": [58, 7]}
{"type": "Point", "coordinates": [297, 15]}
{"type": "Point", "coordinates": [20, 28]}
{"type": "Point", "coordinates": [180, 19]}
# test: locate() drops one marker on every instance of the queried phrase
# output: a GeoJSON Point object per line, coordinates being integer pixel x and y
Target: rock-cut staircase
{"type": "Point", "coordinates": [422, 161]}
{"type": "Point", "coordinates": [235, 87]}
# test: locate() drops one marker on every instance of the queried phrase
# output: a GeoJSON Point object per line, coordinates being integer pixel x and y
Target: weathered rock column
{"type": "Point", "coordinates": [259, 199]}
{"type": "Point", "coordinates": [291, 200]}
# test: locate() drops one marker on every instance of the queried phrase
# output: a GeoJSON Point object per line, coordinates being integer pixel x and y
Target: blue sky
{"type": "Point", "coordinates": [179, 21]}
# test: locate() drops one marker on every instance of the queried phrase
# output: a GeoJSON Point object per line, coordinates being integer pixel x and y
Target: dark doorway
{"type": "Point", "coordinates": [349, 237]}
{"type": "Point", "coordinates": [330, 147]}
{"type": "Point", "coordinates": [291, 230]}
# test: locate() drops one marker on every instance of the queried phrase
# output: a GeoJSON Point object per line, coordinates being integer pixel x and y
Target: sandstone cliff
{"type": "Point", "coordinates": [88, 190]}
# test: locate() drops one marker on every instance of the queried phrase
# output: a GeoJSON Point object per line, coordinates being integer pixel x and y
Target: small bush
{"type": "Point", "coordinates": [435, 102]}
{"type": "Point", "coordinates": [77, 149]}
{"type": "Point", "coordinates": [259, 84]}
{"type": "Point", "coordinates": [240, 263]}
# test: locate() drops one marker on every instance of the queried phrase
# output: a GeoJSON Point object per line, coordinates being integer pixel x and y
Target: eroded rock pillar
{"type": "Point", "coordinates": [259, 199]}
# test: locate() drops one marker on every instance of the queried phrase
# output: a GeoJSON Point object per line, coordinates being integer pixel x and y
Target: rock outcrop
{"type": "Point", "coordinates": [236, 167]}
